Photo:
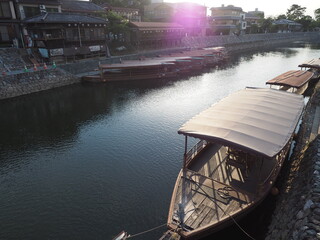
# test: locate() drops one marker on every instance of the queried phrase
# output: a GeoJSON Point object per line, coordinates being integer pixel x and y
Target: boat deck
{"type": "Point", "coordinates": [215, 187]}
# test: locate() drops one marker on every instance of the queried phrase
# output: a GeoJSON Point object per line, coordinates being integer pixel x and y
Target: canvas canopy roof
{"type": "Point", "coordinates": [292, 78]}
{"type": "Point", "coordinates": [260, 121]}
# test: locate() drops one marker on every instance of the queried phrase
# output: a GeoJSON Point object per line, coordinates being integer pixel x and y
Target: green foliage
{"type": "Point", "coordinates": [295, 12]}
{"type": "Point", "coordinates": [281, 16]}
{"type": "Point", "coordinates": [116, 23]}
{"type": "Point", "coordinates": [317, 14]}
{"type": "Point", "coordinates": [266, 24]}
{"type": "Point", "coordinates": [306, 22]}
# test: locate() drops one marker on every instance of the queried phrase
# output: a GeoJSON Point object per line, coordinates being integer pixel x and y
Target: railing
{"type": "Point", "coordinates": [275, 171]}
{"type": "Point", "coordinates": [194, 151]}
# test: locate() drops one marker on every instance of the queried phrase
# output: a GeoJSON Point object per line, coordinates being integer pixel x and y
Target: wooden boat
{"type": "Point", "coordinates": [168, 66]}
{"type": "Point", "coordinates": [292, 81]}
{"type": "Point", "coordinates": [244, 140]}
{"type": "Point", "coordinates": [312, 66]}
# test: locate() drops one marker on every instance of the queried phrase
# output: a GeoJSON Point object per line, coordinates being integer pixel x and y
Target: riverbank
{"type": "Point", "coordinates": [31, 82]}
{"type": "Point", "coordinates": [26, 83]}
{"type": "Point", "coordinates": [297, 212]}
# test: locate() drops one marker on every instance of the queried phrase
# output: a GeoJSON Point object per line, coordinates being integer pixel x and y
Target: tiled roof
{"type": "Point", "coordinates": [155, 25]}
{"type": "Point", "coordinates": [80, 6]}
{"type": "Point", "coordinates": [64, 18]}
{"type": "Point", "coordinates": [286, 21]}
{"type": "Point", "coordinates": [44, 2]}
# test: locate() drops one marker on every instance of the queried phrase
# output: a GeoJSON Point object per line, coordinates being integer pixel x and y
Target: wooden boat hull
{"type": "Point", "coordinates": [154, 68]}
{"type": "Point", "coordinates": [249, 202]}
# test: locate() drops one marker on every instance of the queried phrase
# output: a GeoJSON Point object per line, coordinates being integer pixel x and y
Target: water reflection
{"type": "Point", "coordinates": [89, 160]}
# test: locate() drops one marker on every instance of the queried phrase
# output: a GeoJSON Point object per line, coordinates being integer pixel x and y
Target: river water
{"type": "Point", "coordinates": [87, 161]}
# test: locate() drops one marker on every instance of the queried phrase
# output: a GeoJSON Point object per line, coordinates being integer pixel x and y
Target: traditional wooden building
{"type": "Point", "coordinates": [67, 34]}
{"type": "Point", "coordinates": [31, 8]}
{"type": "Point", "coordinates": [9, 24]}
{"type": "Point", "coordinates": [155, 34]}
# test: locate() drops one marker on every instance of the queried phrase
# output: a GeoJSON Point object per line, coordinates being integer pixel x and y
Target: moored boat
{"type": "Point", "coordinates": [313, 65]}
{"type": "Point", "coordinates": [292, 81]}
{"type": "Point", "coordinates": [244, 140]}
{"type": "Point", "coordinates": [168, 66]}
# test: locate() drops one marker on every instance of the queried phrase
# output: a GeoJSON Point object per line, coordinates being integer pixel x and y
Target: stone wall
{"type": "Point", "coordinates": [234, 42]}
{"type": "Point", "coordinates": [297, 213]}
{"type": "Point", "coordinates": [10, 59]}
{"type": "Point", "coordinates": [31, 82]}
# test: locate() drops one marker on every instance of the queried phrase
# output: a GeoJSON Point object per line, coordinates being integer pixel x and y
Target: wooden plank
{"type": "Point", "coordinates": [193, 206]}
{"type": "Point", "coordinates": [208, 203]}
{"type": "Point", "coordinates": [201, 217]}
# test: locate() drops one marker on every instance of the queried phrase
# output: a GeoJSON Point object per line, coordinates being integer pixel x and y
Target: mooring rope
{"type": "Point", "coordinates": [149, 230]}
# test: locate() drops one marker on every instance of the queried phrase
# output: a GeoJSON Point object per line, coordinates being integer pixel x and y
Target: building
{"type": "Point", "coordinates": [132, 14]}
{"type": "Point", "coordinates": [285, 25]}
{"type": "Point", "coordinates": [30, 8]}
{"type": "Point", "coordinates": [228, 20]}
{"type": "Point", "coordinates": [9, 24]}
{"type": "Point", "coordinates": [253, 20]}
{"type": "Point", "coordinates": [191, 16]}
{"type": "Point", "coordinates": [66, 34]}
{"type": "Point", "coordinates": [146, 35]}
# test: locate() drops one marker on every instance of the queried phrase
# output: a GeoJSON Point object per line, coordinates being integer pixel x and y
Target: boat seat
{"type": "Point", "coordinates": [238, 159]}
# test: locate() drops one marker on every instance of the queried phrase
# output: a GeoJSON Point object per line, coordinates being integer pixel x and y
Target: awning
{"type": "Point", "coordinates": [292, 78]}
{"type": "Point", "coordinates": [260, 121]}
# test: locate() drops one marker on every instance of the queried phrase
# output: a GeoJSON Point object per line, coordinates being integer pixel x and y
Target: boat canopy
{"type": "Point", "coordinates": [314, 63]}
{"type": "Point", "coordinates": [260, 121]}
{"type": "Point", "coordinates": [292, 78]}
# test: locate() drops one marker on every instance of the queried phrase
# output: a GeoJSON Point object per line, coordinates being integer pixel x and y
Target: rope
{"type": "Point", "coordinates": [137, 234]}
{"type": "Point", "coordinates": [223, 211]}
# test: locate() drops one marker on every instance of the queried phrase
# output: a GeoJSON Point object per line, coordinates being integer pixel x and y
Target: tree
{"type": "Point", "coordinates": [266, 24]}
{"type": "Point", "coordinates": [117, 25]}
{"type": "Point", "coordinates": [317, 14]}
{"type": "Point", "coordinates": [295, 12]}
{"type": "Point", "coordinates": [306, 22]}
{"type": "Point", "coordinates": [281, 16]}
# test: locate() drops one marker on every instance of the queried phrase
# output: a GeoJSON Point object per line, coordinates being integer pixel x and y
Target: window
{"type": "Point", "coordinates": [31, 11]}
{"type": "Point", "coordinates": [5, 10]}
{"type": "Point", "coordinates": [4, 36]}
{"type": "Point", "coordinates": [72, 34]}
{"type": "Point", "coordinates": [52, 9]}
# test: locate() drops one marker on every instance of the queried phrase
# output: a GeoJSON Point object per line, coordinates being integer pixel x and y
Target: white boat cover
{"type": "Point", "coordinates": [260, 121]}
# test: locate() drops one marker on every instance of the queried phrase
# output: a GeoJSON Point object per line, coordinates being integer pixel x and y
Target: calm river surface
{"type": "Point", "coordinates": [87, 161]}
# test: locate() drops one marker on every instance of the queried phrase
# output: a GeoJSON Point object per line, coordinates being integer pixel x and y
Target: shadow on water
{"type": "Point", "coordinates": [103, 203]}
{"type": "Point", "coordinates": [56, 115]}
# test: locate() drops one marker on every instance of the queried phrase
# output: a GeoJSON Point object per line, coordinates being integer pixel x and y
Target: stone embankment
{"type": "Point", "coordinates": [30, 82]}
{"type": "Point", "coordinates": [297, 212]}
{"type": "Point", "coordinates": [249, 41]}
